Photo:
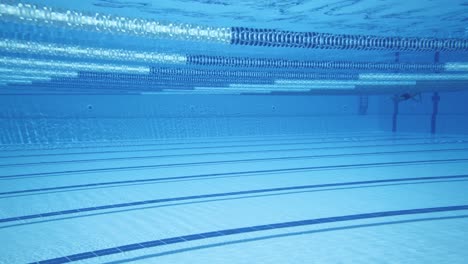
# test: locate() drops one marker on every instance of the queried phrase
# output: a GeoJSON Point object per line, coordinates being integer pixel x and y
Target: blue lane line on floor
{"type": "Point", "coordinates": [42, 174]}
{"type": "Point", "coordinates": [249, 229]}
{"type": "Point", "coordinates": [221, 153]}
{"type": "Point", "coordinates": [227, 146]}
{"type": "Point", "coordinates": [225, 174]}
{"type": "Point", "coordinates": [147, 202]}
{"type": "Point", "coordinates": [219, 144]}
{"type": "Point", "coordinates": [248, 139]}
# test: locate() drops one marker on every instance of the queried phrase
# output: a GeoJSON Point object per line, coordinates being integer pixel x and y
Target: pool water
{"type": "Point", "coordinates": [224, 132]}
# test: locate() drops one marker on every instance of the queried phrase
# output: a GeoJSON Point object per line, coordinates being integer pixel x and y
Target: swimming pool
{"type": "Point", "coordinates": [224, 132]}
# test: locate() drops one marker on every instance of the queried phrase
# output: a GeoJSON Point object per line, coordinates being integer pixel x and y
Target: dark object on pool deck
{"type": "Point", "coordinates": [407, 96]}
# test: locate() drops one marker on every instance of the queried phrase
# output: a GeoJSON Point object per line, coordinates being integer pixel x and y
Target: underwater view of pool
{"type": "Point", "coordinates": [220, 131]}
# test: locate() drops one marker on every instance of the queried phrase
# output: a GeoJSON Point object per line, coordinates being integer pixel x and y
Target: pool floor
{"type": "Point", "coordinates": [336, 198]}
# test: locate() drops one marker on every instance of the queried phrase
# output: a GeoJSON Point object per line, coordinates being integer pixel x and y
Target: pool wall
{"type": "Point", "coordinates": [49, 119]}
{"type": "Point", "coordinates": [59, 118]}
{"type": "Point", "coordinates": [415, 117]}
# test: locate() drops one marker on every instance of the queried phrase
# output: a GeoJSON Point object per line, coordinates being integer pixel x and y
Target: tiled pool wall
{"type": "Point", "coordinates": [52, 119]}
{"type": "Point", "coordinates": [49, 119]}
{"type": "Point", "coordinates": [415, 117]}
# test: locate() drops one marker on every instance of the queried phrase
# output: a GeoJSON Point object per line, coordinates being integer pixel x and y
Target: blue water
{"type": "Point", "coordinates": [233, 131]}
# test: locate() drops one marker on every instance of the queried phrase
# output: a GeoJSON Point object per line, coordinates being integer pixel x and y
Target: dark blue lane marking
{"type": "Point", "coordinates": [238, 152]}
{"type": "Point", "coordinates": [236, 241]}
{"type": "Point", "coordinates": [156, 143]}
{"type": "Point", "coordinates": [233, 146]}
{"type": "Point", "coordinates": [226, 174]}
{"type": "Point", "coordinates": [217, 153]}
{"type": "Point", "coordinates": [41, 174]}
{"type": "Point", "coordinates": [249, 229]}
{"type": "Point", "coordinates": [306, 139]}
{"type": "Point", "coordinates": [196, 154]}
{"type": "Point", "coordinates": [56, 261]}
{"type": "Point", "coordinates": [163, 200]}
{"type": "Point", "coordinates": [82, 256]}
{"type": "Point", "coordinates": [201, 142]}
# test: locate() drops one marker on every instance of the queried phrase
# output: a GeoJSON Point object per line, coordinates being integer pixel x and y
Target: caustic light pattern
{"type": "Point", "coordinates": [232, 35]}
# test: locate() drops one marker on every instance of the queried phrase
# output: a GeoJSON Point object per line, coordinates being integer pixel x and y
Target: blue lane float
{"type": "Point", "coordinates": [326, 65]}
{"type": "Point", "coordinates": [315, 40]}
{"type": "Point", "coordinates": [248, 74]}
